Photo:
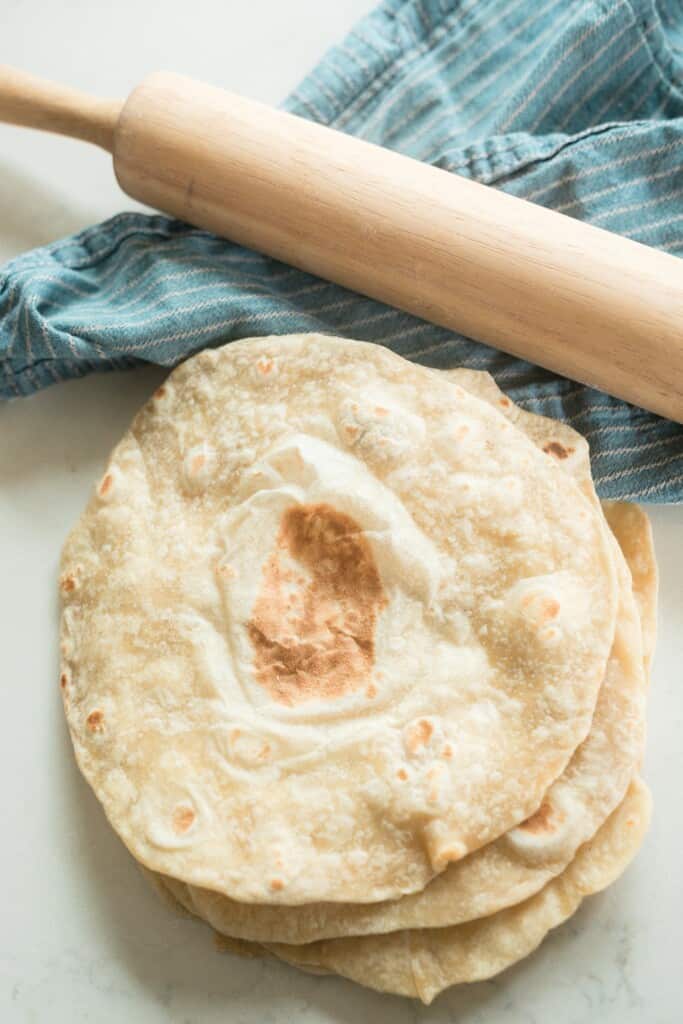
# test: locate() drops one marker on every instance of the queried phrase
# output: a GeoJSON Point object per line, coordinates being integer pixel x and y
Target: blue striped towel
{"type": "Point", "coordinates": [575, 104]}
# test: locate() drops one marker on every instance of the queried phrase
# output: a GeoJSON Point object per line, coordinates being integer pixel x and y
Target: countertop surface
{"type": "Point", "coordinates": [82, 937]}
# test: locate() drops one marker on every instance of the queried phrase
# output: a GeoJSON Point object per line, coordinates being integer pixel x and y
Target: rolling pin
{"type": "Point", "coordinates": [576, 299]}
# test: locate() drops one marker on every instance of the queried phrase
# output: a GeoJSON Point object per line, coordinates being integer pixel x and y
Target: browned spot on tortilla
{"type": "Point", "coordinates": [448, 855]}
{"type": "Point", "coordinates": [95, 721]}
{"type": "Point", "coordinates": [381, 411]}
{"type": "Point", "coordinates": [183, 819]}
{"type": "Point", "coordinates": [543, 608]}
{"type": "Point", "coordinates": [277, 884]}
{"type": "Point", "coordinates": [197, 463]}
{"type": "Point", "coordinates": [264, 365]}
{"type": "Point", "coordinates": [67, 584]}
{"type": "Point", "coordinates": [264, 752]}
{"type": "Point", "coordinates": [557, 449]}
{"type": "Point", "coordinates": [402, 774]}
{"type": "Point", "coordinates": [351, 430]}
{"type": "Point", "coordinates": [371, 691]}
{"type": "Point", "coordinates": [549, 609]}
{"type": "Point", "coordinates": [447, 751]}
{"type": "Point", "coordinates": [316, 640]}
{"type": "Point", "coordinates": [160, 392]}
{"type": "Point", "coordinates": [63, 680]}
{"type": "Point", "coordinates": [106, 485]}
{"type": "Point", "coordinates": [418, 734]}
{"type": "Point", "coordinates": [504, 401]}
{"type": "Point", "coordinates": [541, 821]}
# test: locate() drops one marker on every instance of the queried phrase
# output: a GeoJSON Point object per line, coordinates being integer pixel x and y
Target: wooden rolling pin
{"type": "Point", "coordinates": [576, 299]}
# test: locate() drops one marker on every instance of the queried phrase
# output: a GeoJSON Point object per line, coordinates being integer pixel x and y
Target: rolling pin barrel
{"type": "Point", "coordinates": [584, 302]}
{"type": "Point", "coordinates": [578, 300]}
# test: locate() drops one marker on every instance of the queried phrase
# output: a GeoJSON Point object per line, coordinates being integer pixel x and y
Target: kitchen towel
{"type": "Point", "coordinates": [574, 104]}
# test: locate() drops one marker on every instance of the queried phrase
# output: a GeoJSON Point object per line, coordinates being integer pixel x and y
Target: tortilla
{"type": "Point", "coordinates": [423, 962]}
{"type": "Point", "coordinates": [318, 585]}
{"type": "Point", "coordinates": [522, 862]}
{"type": "Point", "coordinates": [420, 963]}
{"type": "Point", "coordinates": [631, 526]}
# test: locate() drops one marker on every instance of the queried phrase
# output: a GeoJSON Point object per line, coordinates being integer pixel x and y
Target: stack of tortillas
{"type": "Point", "coordinates": [356, 662]}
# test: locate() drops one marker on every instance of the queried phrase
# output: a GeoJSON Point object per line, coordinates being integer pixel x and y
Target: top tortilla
{"type": "Point", "coordinates": [330, 623]}
{"type": "Point", "coordinates": [521, 862]}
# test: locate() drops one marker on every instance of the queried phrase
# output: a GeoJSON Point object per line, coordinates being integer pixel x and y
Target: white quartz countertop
{"type": "Point", "coordinates": [82, 937]}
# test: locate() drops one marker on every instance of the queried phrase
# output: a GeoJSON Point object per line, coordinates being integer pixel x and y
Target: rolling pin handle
{"type": "Point", "coordinates": [36, 103]}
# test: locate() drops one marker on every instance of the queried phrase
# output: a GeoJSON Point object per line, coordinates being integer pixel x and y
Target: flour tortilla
{"type": "Point", "coordinates": [415, 712]}
{"type": "Point", "coordinates": [629, 523]}
{"type": "Point", "coordinates": [423, 962]}
{"type": "Point", "coordinates": [522, 862]}
{"type": "Point", "coordinates": [420, 963]}
{"type": "Point", "coordinates": [392, 960]}
{"type": "Point", "coordinates": [631, 526]}
{"type": "Point", "coordinates": [508, 870]}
